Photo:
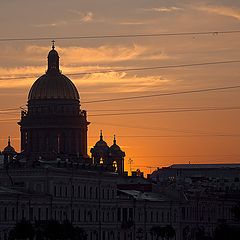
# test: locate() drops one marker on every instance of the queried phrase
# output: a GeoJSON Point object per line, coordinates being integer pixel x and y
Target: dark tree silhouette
{"type": "Point", "coordinates": [227, 232]}
{"type": "Point", "coordinates": [158, 232]}
{"type": "Point", "coordinates": [201, 235]}
{"type": "Point", "coordinates": [169, 232]}
{"type": "Point", "coordinates": [53, 230]}
{"type": "Point", "coordinates": [22, 230]}
{"type": "Point", "coordinates": [236, 212]}
{"type": "Point", "coordinates": [79, 234]}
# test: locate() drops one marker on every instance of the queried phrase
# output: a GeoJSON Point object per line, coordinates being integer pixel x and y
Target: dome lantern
{"type": "Point", "coordinates": [53, 60]}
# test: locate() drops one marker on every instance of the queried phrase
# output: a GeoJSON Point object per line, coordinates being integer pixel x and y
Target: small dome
{"type": "Point", "coordinates": [114, 147]}
{"type": "Point", "coordinates": [53, 84]}
{"type": "Point", "coordinates": [101, 143]}
{"type": "Point", "coordinates": [9, 149]}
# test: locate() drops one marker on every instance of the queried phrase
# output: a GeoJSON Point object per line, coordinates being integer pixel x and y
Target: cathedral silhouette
{"type": "Point", "coordinates": [54, 127]}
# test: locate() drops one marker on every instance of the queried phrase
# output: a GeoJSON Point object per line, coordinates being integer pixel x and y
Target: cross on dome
{"type": "Point", "coordinates": [53, 44]}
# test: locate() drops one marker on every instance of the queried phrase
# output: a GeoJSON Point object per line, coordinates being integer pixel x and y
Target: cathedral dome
{"type": "Point", "coordinates": [53, 84]}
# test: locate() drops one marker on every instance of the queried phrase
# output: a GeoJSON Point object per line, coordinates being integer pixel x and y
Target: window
{"type": "Point", "coordinates": [39, 213]}
{"type": "Point", "coordinates": [13, 214]}
{"type": "Point", "coordinates": [96, 193]}
{"type": "Point", "coordinates": [66, 191]}
{"type": "Point", "coordinates": [79, 215]}
{"type": "Point", "coordinates": [55, 191]}
{"type": "Point", "coordinates": [130, 217]}
{"type": "Point", "coordinates": [90, 193]}
{"type": "Point", "coordinates": [23, 213]}
{"type": "Point", "coordinates": [31, 213]}
{"type": "Point", "coordinates": [72, 216]}
{"type": "Point", "coordinates": [84, 192]}
{"type": "Point", "coordinates": [103, 194]}
{"type": "Point", "coordinates": [103, 216]}
{"type": "Point", "coordinates": [60, 191]}
{"type": "Point", "coordinates": [119, 215]}
{"type": "Point", "coordinates": [183, 213]}
{"type": "Point", "coordinates": [113, 194]}
{"type": "Point", "coordinates": [124, 214]}
{"type": "Point", "coordinates": [46, 213]}
{"type": "Point", "coordinates": [96, 215]}
{"type": "Point", "coordinates": [151, 218]}
{"type": "Point", "coordinates": [73, 189]}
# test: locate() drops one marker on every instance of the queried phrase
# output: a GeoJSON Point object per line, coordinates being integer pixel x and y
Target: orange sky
{"type": "Point", "coordinates": [150, 140]}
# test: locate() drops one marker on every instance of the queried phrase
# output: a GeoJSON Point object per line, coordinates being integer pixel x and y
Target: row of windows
{"type": "Point", "coordinates": [76, 215]}
{"type": "Point", "coordinates": [83, 192]}
{"type": "Point", "coordinates": [206, 213]}
{"type": "Point", "coordinates": [81, 215]}
{"type": "Point", "coordinates": [55, 109]}
{"type": "Point", "coordinates": [127, 214]}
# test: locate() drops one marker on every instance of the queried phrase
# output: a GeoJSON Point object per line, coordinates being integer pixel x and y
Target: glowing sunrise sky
{"type": "Point", "coordinates": [150, 140]}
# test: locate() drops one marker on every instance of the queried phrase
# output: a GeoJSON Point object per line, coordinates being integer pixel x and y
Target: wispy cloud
{"type": "Point", "coordinates": [132, 23]}
{"type": "Point", "coordinates": [82, 17]}
{"type": "Point", "coordinates": [221, 10]}
{"type": "Point", "coordinates": [78, 59]}
{"type": "Point", "coordinates": [96, 82]}
{"type": "Point", "coordinates": [121, 82]}
{"type": "Point", "coordinates": [163, 9]}
{"type": "Point", "coordinates": [102, 54]}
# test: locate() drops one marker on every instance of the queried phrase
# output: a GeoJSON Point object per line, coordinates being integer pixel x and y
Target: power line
{"type": "Point", "coordinates": [178, 110]}
{"type": "Point", "coordinates": [4, 111]}
{"type": "Point", "coordinates": [214, 33]}
{"type": "Point", "coordinates": [133, 69]}
{"type": "Point", "coordinates": [155, 129]}
{"type": "Point", "coordinates": [9, 119]}
{"type": "Point", "coordinates": [187, 156]}
{"type": "Point", "coordinates": [167, 111]}
{"type": "Point", "coordinates": [159, 67]}
{"type": "Point", "coordinates": [174, 136]}
{"type": "Point", "coordinates": [9, 109]}
{"type": "Point", "coordinates": [165, 94]}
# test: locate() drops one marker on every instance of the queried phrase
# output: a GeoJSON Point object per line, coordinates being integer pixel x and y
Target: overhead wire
{"type": "Point", "coordinates": [133, 69]}
{"type": "Point", "coordinates": [214, 33]}
{"type": "Point", "coordinates": [167, 111]}
{"type": "Point", "coordinates": [164, 94]}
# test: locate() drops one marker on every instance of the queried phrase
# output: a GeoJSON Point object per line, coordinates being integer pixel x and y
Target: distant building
{"type": "Point", "coordinates": [222, 177]}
